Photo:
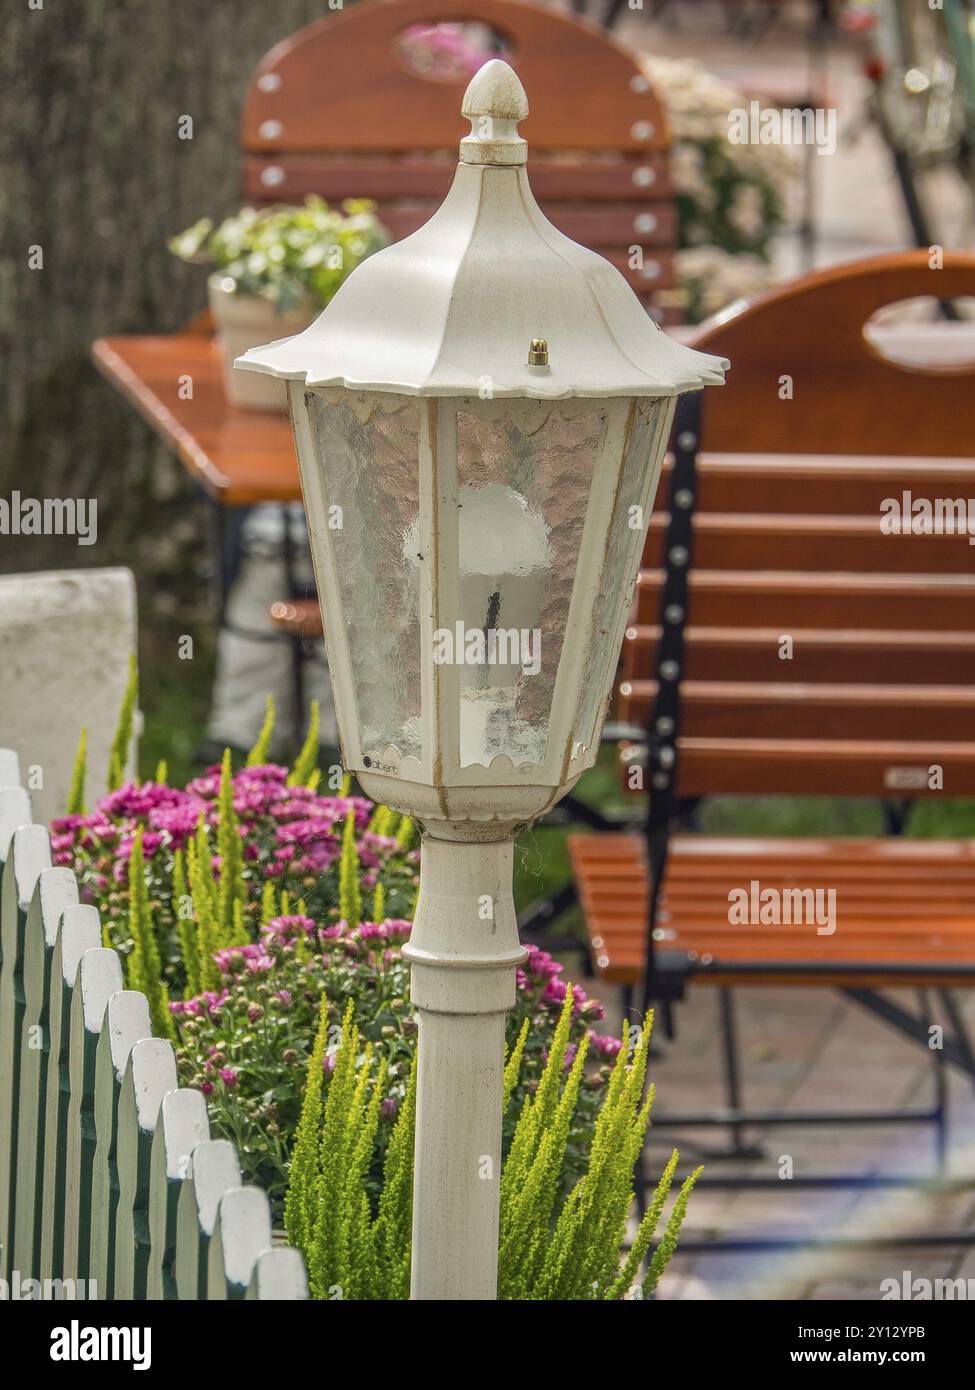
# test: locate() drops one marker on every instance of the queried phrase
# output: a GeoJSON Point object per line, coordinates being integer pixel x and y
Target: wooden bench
{"type": "Point", "coordinates": [781, 644]}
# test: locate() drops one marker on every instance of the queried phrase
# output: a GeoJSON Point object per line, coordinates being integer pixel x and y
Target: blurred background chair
{"type": "Point", "coordinates": [785, 643]}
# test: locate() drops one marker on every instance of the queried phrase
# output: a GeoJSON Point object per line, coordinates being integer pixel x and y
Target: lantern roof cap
{"type": "Point", "coordinates": [454, 309]}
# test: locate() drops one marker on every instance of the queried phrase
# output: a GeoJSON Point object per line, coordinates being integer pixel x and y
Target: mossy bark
{"type": "Point", "coordinates": [94, 173]}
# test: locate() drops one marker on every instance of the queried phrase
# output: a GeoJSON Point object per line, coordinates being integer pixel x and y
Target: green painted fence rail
{"type": "Point", "coordinates": [110, 1184]}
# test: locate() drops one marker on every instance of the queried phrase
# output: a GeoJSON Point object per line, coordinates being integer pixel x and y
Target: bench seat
{"type": "Point", "coordinates": [905, 909]}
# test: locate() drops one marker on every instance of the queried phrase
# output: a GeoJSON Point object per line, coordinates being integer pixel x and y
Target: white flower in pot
{"type": "Point", "coordinates": [274, 270]}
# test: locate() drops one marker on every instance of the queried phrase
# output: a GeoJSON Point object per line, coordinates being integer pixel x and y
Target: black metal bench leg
{"type": "Point", "coordinates": [962, 1040]}
{"type": "Point", "coordinates": [729, 1047]}
{"type": "Point", "coordinates": [940, 1088]}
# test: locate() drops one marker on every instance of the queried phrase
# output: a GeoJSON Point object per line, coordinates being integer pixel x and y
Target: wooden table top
{"type": "Point", "coordinates": [238, 456]}
{"type": "Point", "coordinates": [241, 457]}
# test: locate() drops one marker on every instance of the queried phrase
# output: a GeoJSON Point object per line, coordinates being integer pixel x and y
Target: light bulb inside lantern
{"type": "Point", "coordinates": [494, 637]}
{"type": "Point", "coordinates": [504, 562]}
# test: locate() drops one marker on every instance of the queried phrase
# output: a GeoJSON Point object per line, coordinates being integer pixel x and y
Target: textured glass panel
{"type": "Point", "coordinates": [524, 474]}
{"type": "Point", "coordinates": [619, 569]}
{"type": "Point", "coordinates": [369, 443]}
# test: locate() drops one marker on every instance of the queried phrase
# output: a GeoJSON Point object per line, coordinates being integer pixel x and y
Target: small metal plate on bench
{"type": "Point", "coordinates": [906, 778]}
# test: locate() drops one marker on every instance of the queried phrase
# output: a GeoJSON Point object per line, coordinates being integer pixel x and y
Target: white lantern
{"type": "Point", "coordinates": [481, 415]}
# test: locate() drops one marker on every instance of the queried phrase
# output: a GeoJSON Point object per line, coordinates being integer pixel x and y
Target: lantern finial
{"type": "Point", "coordinates": [494, 103]}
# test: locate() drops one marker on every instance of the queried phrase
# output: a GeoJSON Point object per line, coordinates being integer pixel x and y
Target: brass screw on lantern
{"type": "Point", "coordinates": [538, 353]}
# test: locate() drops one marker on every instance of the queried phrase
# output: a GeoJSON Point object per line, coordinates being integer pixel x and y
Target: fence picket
{"type": "Point", "coordinates": [279, 1274]}
{"type": "Point", "coordinates": [56, 890]}
{"type": "Point", "coordinates": [29, 855]}
{"type": "Point", "coordinates": [214, 1169]}
{"type": "Point", "coordinates": [9, 770]}
{"type": "Point", "coordinates": [99, 978]}
{"type": "Point", "coordinates": [149, 1075]}
{"type": "Point", "coordinates": [15, 811]}
{"type": "Point", "coordinates": [79, 931]}
{"type": "Point", "coordinates": [107, 1171]}
{"type": "Point", "coordinates": [182, 1124]}
{"type": "Point", "coordinates": [126, 1022]}
{"type": "Point", "coordinates": [242, 1231]}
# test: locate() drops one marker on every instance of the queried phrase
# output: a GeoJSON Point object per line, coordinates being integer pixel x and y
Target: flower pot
{"type": "Point", "coordinates": [244, 321]}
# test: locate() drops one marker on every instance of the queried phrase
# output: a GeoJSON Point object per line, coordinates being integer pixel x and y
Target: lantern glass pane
{"type": "Point", "coordinates": [368, 443]}
{"type": "Point", "coordinates": [524, 471]}
{"type": "Point", "coordinates": [623, 547]}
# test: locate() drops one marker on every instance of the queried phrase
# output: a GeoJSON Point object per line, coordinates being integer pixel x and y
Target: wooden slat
{"type": "Point", "coordinates": [594, 226]}
{"type": "Point", "coordinates": [28, 856]}
{"type": "Point", "coordinates": [820, 767]}
{"type": "Point", "coordinates": [824, 484]}
{"type": "Point", "coordinates": [149, 1074]}
{"type": "Point", "coordinates": [786, 599]}
{"type": "Point", "coordinates": [214, 1170]}
{"type": "Point", "coordinates": [183, 1124]}
{"type": "Point", "coordinates": [337, 177]}
{"type": "Point", "coordinates": [56, 891]}
{"type": "Point", "coordinates": [241, 1232]}
{"type": "Point", "coordinates": [126, 1022]}
{"type": "Point", "coordinates": [740, 709]}
{"type": "Point", "coordinates": [811, 543]}
{"type": "Point", "coordinates": [823, 767]}
{"type": "Point", "coordinates": [99, 978]}
{"type": "Point", "coordinates": [278, 1274]}
{"type": "Point", "coordinates": [80, 931]}
{"type": "Point", "coordinates": [752, 654]}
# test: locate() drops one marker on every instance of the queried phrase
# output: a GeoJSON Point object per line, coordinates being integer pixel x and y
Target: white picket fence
{"type": "Point", "coordinates": [110, 1185]}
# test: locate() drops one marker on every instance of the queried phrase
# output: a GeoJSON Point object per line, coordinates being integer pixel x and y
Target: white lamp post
{"type": "Point", "coordinates": [481, 414]}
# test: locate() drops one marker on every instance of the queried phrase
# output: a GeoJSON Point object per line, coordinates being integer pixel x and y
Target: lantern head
{"type": "Point", "coordinates": [481, 415]}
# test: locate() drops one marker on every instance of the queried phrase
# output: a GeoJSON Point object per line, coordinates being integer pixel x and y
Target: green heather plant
{"type": "Point", "coordinates": [557, 1240]}
{"type": "Point", "coordinates": [253, 900]}
{"type": "Point", "coordinates": [294, 257]}
{"type": "Point", "coordinates": [238, 904]}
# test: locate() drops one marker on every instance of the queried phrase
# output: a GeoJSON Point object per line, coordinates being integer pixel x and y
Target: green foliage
{"type": "Point", "coordinates": [119, 754]}
{"type": "Point", "coordinates": [144, 968]}
{"type": "Point", "coordinates": [232, 892]}
{"type": "Point", "coordinates": [350, 1252]}
{"type": "Point", "coordinates": [295, 257]}
{"type": "Point", "coordinates": [299, 1202]}
{"type": "Point", "coordinates": [203, 890]}
{"type": "Point", "coordinates": [350, 892]}
{"type": "Point", "coordinates": [161, 775]}
{"type": "Point", "coordinates": [306, 763]}
{"type": "Point", "coordinates": [407, 836]}
{"type": "Point", "coordinates": [76, 796]}
{"type": "Point", "coordinates": [552, 1245]}
{"type": "Point", "coordinates": [258, 755]}
{"type": "Point", "coordinates": [186, 928]}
